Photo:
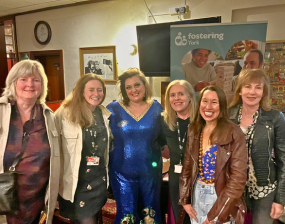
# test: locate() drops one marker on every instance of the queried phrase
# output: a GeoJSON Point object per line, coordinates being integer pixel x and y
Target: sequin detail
{"type": "Point", "coordinates": [128, 219]}
{"type": "Point", "coordinates": [133, 116]}
{"type": "Point", "coordinates": [149, 215]}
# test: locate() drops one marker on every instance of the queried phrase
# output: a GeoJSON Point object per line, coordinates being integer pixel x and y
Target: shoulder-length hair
{"type": "Point", "coordinates": [22, 69]}
{"type": "Point", "coordinates": [131, 72]}
{"type": "Point", "coordinates": [169, 114]}
{"type": "Point", "coordinates": [78, 109]}
{"type": "Point", "coordinates": [222, 120]}
{"type": "Point", "coordinates": [247, 76]}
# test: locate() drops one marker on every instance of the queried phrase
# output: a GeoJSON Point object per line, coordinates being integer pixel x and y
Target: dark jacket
{"type": "Point", "coordinates": [269, 133]}
{"type": "Point", "coordinates": [173, 184]}
{"type": "Point", "coordinates": [230, 174]}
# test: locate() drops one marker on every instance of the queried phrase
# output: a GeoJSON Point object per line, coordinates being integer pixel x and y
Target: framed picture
{"type": "Point", "coordinates": [24, 56]}
{"type": "Point", "coordinates": [99, 60]}
{"type": "Point", "coordinates": [274, 66]}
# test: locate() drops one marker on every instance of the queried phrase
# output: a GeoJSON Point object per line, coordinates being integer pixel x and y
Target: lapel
{"type": "Point", "coordinates": [194, 144]}
{"type": "Point", "coordinates": [263, 123]}
{"type": "Point", "coordinates": [223, 156]}
{"type": "Point", "coordinates": [223, 153]}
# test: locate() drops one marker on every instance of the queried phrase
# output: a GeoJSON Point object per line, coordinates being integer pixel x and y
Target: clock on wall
{"type": "Point", "coordinates": [42, 32]}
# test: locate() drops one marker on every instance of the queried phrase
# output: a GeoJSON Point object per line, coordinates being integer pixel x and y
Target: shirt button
{"type": "Point", "coordinates": [89, 187]}
{"type": "Point", "coordinates": [81, 204]}
{"type": "Point", "coordinates": [88, 170]}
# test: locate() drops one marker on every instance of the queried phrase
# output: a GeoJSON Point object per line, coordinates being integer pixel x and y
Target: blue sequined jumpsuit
{"type": "Point", "coordinates": [135, 162]}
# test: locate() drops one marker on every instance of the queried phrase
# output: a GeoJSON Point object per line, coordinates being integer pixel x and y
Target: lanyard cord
{"type": "Point", "coordinates": [181, 142]}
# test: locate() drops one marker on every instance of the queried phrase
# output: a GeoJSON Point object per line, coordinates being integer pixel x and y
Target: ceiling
{"type": "Point", "coordinates": [10, 7]}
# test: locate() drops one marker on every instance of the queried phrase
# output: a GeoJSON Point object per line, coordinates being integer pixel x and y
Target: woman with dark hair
{"type": "Point", "coordinates": [85, 132]}
{"type": "Point", "coordinates": [198, 72]}
{"type": "Point", "coordinates": [264, 129]}
{"type": "Point", "coordinates": [214, 169]}
{"type": "Point", "coordinates": [135, 159]}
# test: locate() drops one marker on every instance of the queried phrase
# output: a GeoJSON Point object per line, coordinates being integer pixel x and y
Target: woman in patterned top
{"type": "Point", "coordinates": [264, 129]}
{"type": "Point", "coordinates": [23, 110]}
{"type": "Point", "coordinates": [214, 169]}
{"type": "Point", "coordinates": [85, 135]}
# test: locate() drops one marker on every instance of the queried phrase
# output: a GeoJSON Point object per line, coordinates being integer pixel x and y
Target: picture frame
{"type": "Point", "coordinates": [274, 67]}
{"type": "Point", "coordinates": [99, 60]}
{"type": "Point", "coordinates": [24, 56]}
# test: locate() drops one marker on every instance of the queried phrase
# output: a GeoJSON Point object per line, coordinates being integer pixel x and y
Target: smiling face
{"type": "Point", "coordinates": [93, 93]}
{"type": "Point", "coordinates": [135, 89]}
{"type": "Point", "coordinates": [179, 100]}
{"type": "Point", "coordinates": [251, 60]}
{"type": "Point", "coordinates": [201, 57]}
{"type": "Point", "coordinates": [28, 88]}
{"type": "Point", "coordinates": [251, 94]}
{"type": "Point", "coordinates": [209, 106]}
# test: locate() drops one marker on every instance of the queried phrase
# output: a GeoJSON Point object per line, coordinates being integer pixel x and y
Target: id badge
{"type": "Point", "coordinates": [178, 168]}
{"type": "Point", "coordinates": [93, 161]}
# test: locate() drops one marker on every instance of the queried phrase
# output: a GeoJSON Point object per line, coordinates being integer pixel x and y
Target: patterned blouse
{"type": "Point", "coordinates": [255, 191]}
{"type": "Point", "coordinates": [34, 166]}
{"type": "Point", "coordinates": [209, 163]}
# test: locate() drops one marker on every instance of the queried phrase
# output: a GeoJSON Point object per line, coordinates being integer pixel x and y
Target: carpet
{"type": "Point", "coordinates": [109, 211]}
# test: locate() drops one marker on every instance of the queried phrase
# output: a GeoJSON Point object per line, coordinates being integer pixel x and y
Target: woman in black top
{"type": "Point", "coordinates": [179, 110]}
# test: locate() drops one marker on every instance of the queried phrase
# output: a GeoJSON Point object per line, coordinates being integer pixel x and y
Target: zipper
{"type": "Point", "coordinates": [215, 219]}
{"type": "Point", "coordinates": [269, 153]}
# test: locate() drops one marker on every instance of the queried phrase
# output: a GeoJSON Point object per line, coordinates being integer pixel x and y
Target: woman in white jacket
{"type": "Point", "coordinates": [85, 136]}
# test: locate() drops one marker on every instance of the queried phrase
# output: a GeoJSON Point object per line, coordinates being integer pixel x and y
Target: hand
{"type": "Point", "coordinates": [276, 210]}
{"type": "Point", "coordinates": [208, 222]}
{"type": "Point", "coordinates": [201, 85]}
{"type": "Point", "coordinates": [191, 211]}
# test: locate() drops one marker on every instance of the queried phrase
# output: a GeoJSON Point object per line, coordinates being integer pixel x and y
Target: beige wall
{"type": "Point", "coordinates": [114, 23]}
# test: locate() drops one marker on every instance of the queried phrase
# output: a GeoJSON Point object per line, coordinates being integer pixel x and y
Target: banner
{"type": "Point", "coordinates": [215, 53]}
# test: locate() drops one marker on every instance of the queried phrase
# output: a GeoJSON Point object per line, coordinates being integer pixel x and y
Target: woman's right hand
{"type": "Point", "coordinates": [191, 211]}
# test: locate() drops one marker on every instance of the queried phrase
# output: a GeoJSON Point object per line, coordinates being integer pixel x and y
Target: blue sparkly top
{"type": "Point", "coordinates": [136, 146]}
{"type": "Point", "coordinates": [209, 162]}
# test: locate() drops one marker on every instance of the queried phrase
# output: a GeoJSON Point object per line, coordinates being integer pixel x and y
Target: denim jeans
{"type": "Point", "coordinates": [204, 197]}
{"type": "Point", "coordinates": [261, 209]}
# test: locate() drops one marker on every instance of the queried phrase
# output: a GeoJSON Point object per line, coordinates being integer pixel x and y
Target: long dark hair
{"type": "Point", "coordinates": [222, 120]}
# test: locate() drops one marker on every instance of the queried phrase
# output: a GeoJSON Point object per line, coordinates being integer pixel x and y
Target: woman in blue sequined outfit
{"type": "Point", "coordinates": [135, 159]}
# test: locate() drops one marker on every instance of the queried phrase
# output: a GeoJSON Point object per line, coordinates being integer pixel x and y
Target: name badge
{"type": "Point", "coordinates": [178, 168]}
{"type": "Point", "coordinates": [93, 161]}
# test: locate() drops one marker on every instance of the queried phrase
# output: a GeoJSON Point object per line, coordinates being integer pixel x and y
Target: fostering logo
{"type": "Point", "coordinates": [193, 39]}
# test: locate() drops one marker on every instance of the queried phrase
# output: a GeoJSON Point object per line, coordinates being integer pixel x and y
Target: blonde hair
{"type": "Point", "coordinates": [22, 69]}
{"type": "Point", "coordinates": [131, 72]}
{"type": "Point", "coordinates": [78, 109]}
{"type": "Point", "coordinates": [169, 114]}
{"type": "Point", "coordinates": [247, 76]}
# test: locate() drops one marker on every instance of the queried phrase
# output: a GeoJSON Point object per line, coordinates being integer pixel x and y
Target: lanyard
{"type": "Point", "coordinates": [181, 142]}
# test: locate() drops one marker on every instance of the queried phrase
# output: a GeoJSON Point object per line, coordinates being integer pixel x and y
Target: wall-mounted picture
{"type": "Point", "coordinates": [24, 56]}
{"type": "Point", "coordinates": [100, 61]}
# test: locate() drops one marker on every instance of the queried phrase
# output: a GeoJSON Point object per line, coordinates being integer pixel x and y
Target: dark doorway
{"type": "Point", "coordinates": [3, 59]}
{"type": "Point", "coordinates": [53, 65]}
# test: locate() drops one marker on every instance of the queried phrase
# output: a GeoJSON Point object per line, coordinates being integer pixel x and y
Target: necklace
{"type": "Point", "coordinates": [210, 181]}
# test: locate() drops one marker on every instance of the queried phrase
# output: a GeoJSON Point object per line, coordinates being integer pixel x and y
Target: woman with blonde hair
{"type": "Point", "coordinates": [25, 118]}
{"type": "Point", "coordinates": [85, 133]}
{"type": "Point", "coordinates": [135, 159]}
{"type": "Point", "coordinates": [179, 110]}
{"type": "Point", "coordinates": [264, 129]}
